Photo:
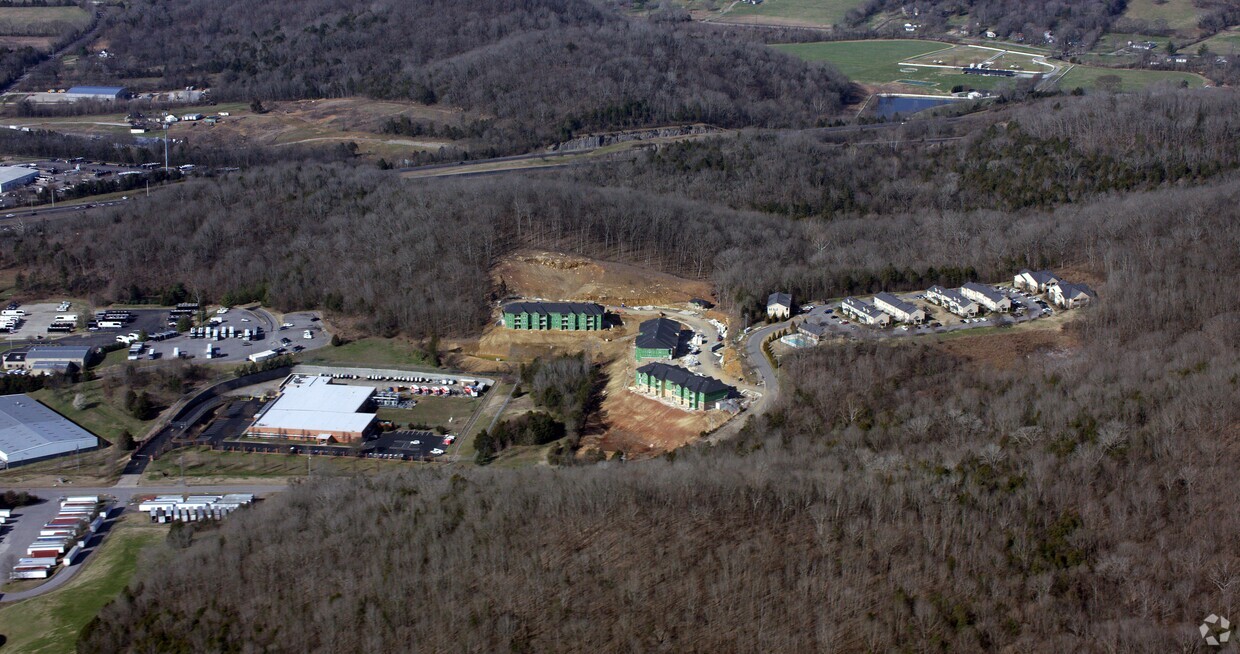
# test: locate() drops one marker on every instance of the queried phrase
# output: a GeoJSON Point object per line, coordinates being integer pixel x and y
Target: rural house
{"type": "Point", "coordinates": [779, 305]}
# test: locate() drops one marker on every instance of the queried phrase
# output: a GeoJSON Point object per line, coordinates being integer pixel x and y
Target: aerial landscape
{"type": "Point", "coordinates": [619, 326]}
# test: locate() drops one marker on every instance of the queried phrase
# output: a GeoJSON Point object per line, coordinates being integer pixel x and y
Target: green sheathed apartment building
{"type": "Point", "coordinates": [557, 316]}
{"type": "Point", "coordinates": [657, 339]}
{"type": "Point", "coordinates": [687, 389]}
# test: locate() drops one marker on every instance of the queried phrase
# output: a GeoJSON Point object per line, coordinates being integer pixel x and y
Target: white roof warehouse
{"type": "Point", "coordinates": [12, 177]}
{"type": "Point", "coordinates": [313, 407]}
{"type": "Point", "coordinates": [31, 432]}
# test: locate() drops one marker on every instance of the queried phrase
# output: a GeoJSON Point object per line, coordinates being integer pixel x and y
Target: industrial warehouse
{"type": "Point", "coordinates": [681, 387]}
{"type": "Point", "coordinates": [657, 339]}
{"type": "Point", "coordinates": [554, 316]}
{"type": "Point", "coordinates": [313, 408]}
{"type": "Point", "coordinates": [49, 359]}
{"type": "Point", "coordinates": [32, 432]}
{"type": "Point", "coordinates": [13, 177]}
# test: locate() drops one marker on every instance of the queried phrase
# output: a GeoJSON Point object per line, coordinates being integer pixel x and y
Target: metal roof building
{"type": "Point", "coordinates": [97, 92]}
{"type": "Point", "coordinates": [31, 432]}
{"type": "Point", "coordinates": [12, 177]}
{"type": "Point", "coordinates": [314, 408]}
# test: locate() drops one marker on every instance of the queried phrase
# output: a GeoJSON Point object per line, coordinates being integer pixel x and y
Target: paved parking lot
{"type": "Point", "coordinates": [231, 350]}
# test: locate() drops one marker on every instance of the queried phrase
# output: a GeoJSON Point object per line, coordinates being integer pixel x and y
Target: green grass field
{"type": "Point", "coordinates": [1223, 43]}
{"type": "Point", "coordinates": [1180, 15]}
{"type": "Point", "coordinates": [102, 416]}
{"type": "Point", "coordinates": [371, 351]}
{"type": "Point", "coordinates": [864, 61]}
{"type": "Point", "coordinates": [449, 412]}
{"type": "Point", "coordinates": [1117, 40]}
{"type": "Point", "coordinates": [878, 62]}
{"type": "Point", "coordinates": [50, 624]}
{"type": "Point", "coordinates": [41, 21]}
{"type": "Point", "coordinates": [809, 12]}
{"type": "Point", "coordinates": [1086, 77]}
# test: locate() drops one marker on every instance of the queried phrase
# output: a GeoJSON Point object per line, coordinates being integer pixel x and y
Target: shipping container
{"type": "Point", "coordinates": [30, 572]}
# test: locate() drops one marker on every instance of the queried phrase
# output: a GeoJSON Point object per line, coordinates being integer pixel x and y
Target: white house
{"type": "Point", "coordinates": [864, 313]}
{"type": "Point", "coordinates": [986, 296]}
{"type": "Point", "coordinates": [1035, 282]}
{"type": "Point", "coordinates": [779, 305]}
{"type": "Point", "coordinates": [1070, 296]}
{"type": "Point", "coordinates": [899, 309]}
{"type": "Point", "coordinates": [952, 300]}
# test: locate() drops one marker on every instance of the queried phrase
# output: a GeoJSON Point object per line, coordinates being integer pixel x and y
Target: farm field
{"type": "Point", "coordinates": [1223, 43]}
{"type": "Point", "coordinates": [1087, 77]}
{"type": "Point", "coordinates": [1113, 41]}
{"type": "Point", "coordinates": [878, 62]}
{"type": "Point", "coordinates": [41, 21]}
{"type": "Point", "coordinates": [1180, 15]}
{"type": "Point", "coordinates": [823, 13]}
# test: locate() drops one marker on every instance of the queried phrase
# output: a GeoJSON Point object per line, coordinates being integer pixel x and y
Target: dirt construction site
{"type": "Point", "coordinates": [627, 422]}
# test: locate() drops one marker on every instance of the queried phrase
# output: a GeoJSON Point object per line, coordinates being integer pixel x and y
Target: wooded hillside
{"type": "Point", "coordinates": [900, 498]}
{"type": "Point", "coordinates": [543, 69]}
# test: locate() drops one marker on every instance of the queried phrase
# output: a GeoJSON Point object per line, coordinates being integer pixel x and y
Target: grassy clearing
{"type": "Point", "coordinates": [41, 21]}
{"type": "Point", "coordinates": [878, 62]}
{"type": "Point", "coordinates": [1117, 40]}
{"type": "Point", "coordinates": [864, 61]}
{"type": "Point", "coordinates": [50, 624]}
{"type": "Point", "coordinates": [465, 445]}
{"type": "Point", "coordinates": [201, 463]}
{"type": "Point", "coordinates": [371, 352]}
{"type": "Point", "coordinates": [1223, 43]}
{"type": "Point", "coordinates": [1087, 77]}
{"type": "Point", "coordinates": [449, 412]}
{"type": "Point", "coordinates": [101, 416]}
{"type": "Point", "coordinates": [1179, 15]}
{"type": "Point", "coordinates": [810, 12]}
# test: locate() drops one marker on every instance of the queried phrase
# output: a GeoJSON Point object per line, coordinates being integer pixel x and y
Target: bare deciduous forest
{"type": "Point", "coordinates": [407, 256]}
{"type": "Point", "coordinates": [900, 499]}
{"type": "Point", "coordinates": [544, 68]}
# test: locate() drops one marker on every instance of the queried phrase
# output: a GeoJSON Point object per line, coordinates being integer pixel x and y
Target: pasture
{"type": "Point", "coordinates": [1087, 77]}
{"type": "Point", "coordinates": [1180, 15]}
{"type": "Point", "coordinates": [822, 13]}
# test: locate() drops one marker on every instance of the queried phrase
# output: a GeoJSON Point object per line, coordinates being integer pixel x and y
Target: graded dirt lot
{"type": "Point", "coordinates": [557, 276]}
{"type": "Point", "coordinates": [324, 122]}
{"type": "Point", "coordinates": [640, 426]}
